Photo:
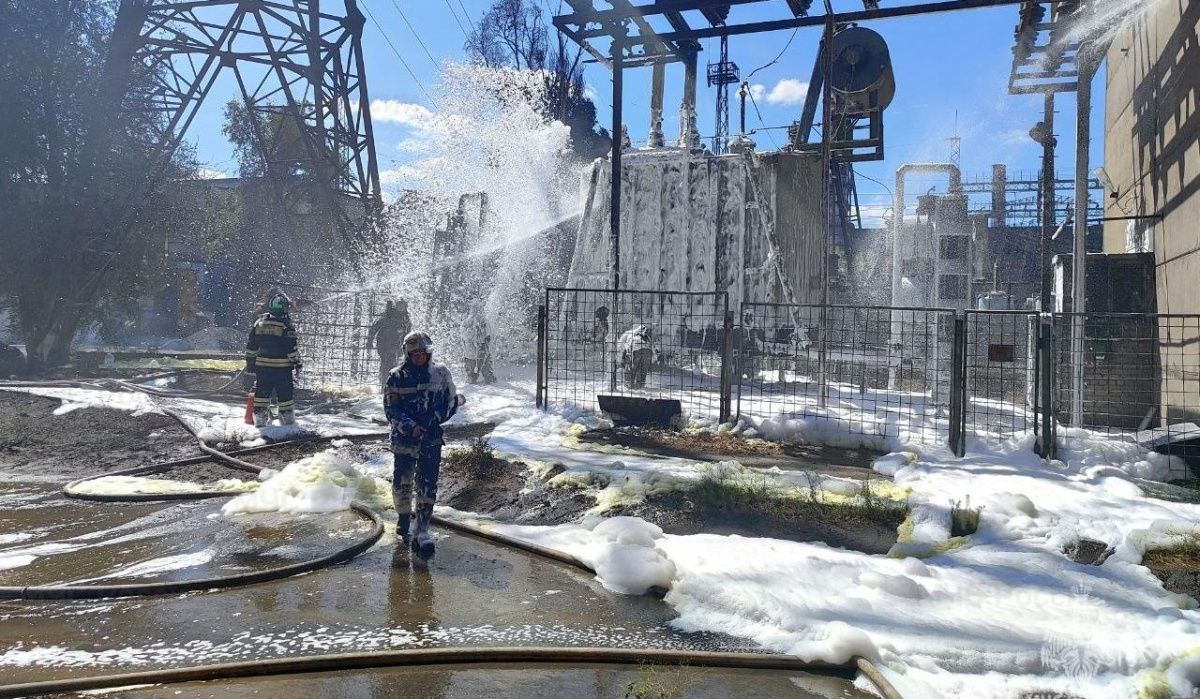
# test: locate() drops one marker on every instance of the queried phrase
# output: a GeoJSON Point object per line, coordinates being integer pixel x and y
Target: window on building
{"type": "Point", "coordinates": [952, 286]}
{"type": "Point", "coordinates": [954, 248]}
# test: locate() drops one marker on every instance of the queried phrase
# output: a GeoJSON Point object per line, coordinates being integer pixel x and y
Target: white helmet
{"type": "Point", "coordinates": [417, 342]}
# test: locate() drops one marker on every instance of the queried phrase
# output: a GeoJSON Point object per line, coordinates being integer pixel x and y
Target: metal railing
{"type": "Point", "coordinates": [649, 344]}
{"type": "Point", "coordinates": [333, 327]}
{"type": "Point", "coordinates": [1141, 374]}
{"type": "Point", "coordinates": [865, 370]}
{"type": "Point", "coordinates": [913, 374]}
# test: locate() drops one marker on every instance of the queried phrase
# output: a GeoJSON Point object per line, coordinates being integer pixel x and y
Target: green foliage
{"type": "Point", "coordinates": [721, 492]}
{"type": "Point", "coordinates": [74, 210]}
{"type": "Point", "coordinates": [964, 519]}
{"type": "Point", "coordinates": [654, 683]}
{"type": "Point", "coordinates": [477, 460]}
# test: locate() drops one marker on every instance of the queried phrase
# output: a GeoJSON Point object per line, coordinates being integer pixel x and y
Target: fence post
{"type": "Point", "coordinates": [1046, 445]}
{"type": "Point", "coordinates": [540, 400]}
{"type": "Point", "coordinates": [958, 386]}
{"type": "Point", "coordinates": [726, 373]}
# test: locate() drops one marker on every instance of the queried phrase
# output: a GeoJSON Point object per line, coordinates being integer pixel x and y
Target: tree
{"type": "Point", "coordinates": [513, 33]}
{"type": "Point", "coordinates": [73, 176]}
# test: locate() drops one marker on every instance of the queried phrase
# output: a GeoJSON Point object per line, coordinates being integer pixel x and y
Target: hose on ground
{"type": "Point", "coordinates": [44, 592]}
{"type": "Point", "coordinates": [373, 659]}
{"type": "Point", "coordinates": [424, 657]}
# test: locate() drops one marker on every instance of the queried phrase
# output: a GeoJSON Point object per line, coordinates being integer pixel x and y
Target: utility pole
{"type": "Point", "coordinates": [618, 55]}
{"type": "Point", "coordinates": [1043, 133]}
{"type": "Point", "coordinates": [1087, 62]}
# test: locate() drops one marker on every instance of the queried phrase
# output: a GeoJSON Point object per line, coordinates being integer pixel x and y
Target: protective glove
{"type": "Point", "coordinates": [298, 368]}
{"type": "Point", "coordinates": [460, 399]}
{"type": "Point", "coordinates": [248, 381]}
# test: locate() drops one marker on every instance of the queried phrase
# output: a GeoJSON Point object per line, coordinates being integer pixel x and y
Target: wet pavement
{"type": "Point", "coordinates": [525, 682]}
{"type": "Point", "coordinates": [471, 593]}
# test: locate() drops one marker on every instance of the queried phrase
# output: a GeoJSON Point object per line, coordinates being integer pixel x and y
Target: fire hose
{"type": "Point", "coordinates": [364, 660]}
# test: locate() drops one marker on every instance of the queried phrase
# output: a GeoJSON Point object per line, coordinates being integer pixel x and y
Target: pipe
{"type": "Point", "coordinates": [657, 78]}
{"type": "Point", "coordinates": [422, 657]}
{"type": "Point", "coordinates": [1085, 58]}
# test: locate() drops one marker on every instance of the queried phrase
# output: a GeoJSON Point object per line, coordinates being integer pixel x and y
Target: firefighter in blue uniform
{"type": "Point", "coordinates": [419, 396]}
{"type": "Point", "coordinates": [272, 357]}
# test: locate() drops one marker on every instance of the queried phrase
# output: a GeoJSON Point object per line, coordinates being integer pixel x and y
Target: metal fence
{"type": "Point", "coordinates": [1140, 374]}
{"type": "Point", "coordinates": [917, 374]}
{"type": "Point", "coordinates": [648, 344]}
{"type": "Point", "coordinates": [333, 326]}
{"type": "Point", "coordinates": [873, 371]}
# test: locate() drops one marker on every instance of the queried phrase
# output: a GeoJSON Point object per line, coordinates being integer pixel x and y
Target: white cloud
{"type": "Point", "coordinates": [400, 174]}
{"type": "Point", "coordinates": [758, 91]}
{"type": "Point", "coordinates": [787, 91]}
{"type": "Point", "coordinates": [209, 174]}
{"type": "Point", "coordinates": [404, 113]}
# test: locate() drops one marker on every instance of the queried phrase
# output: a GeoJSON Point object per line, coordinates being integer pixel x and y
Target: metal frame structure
{"type": "Point", "coordinates": [586, 22]}
{"type": "Point", "coordinates": [293, 62]}
{"type": "Point", "coordinates": [636, 37]}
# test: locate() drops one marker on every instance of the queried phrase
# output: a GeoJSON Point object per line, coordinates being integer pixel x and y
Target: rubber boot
{"type": "Point", "coordinates": [402, 501]}
{"type": "Point", "coordinates": [422, 539]}
{"type": "Point", "coordinates": [261, 416]}
{"type": "Point", "coordinates": [287, 417]}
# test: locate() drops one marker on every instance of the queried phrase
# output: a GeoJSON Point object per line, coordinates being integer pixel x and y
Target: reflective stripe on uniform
{"type": "Point", "coordinates": [286, 404]}
{"type": "Point", "coordinates": [409, 390]}
{"type": "Point", "coordinates": [274, 362]}
{"type": "Point", "coordinates": [413, 450]}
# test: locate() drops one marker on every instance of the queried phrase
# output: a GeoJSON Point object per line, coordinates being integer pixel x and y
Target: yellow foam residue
{"type": "Point", "coordinates": [137, 485]}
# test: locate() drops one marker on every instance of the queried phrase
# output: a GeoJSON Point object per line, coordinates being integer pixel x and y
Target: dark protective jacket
{"type": "Point", "coordinates": [387, 333]}
{"type": "Point", "coordinates": [272, 343]}
{"type": "Point", "coordinates": [418, 395]}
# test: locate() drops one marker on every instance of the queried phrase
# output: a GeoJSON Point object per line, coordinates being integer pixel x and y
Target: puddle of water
{"type": "Point", "coordinates": [76, 541]}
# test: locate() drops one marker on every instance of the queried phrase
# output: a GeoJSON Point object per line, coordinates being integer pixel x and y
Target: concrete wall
{"type": "Point", "coordinates": [1152, 147]}
{"type": "Point", "coordinates": [1152, 156]}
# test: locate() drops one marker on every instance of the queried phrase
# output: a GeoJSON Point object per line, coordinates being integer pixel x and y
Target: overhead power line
{"type": "Point", "coordinates": [400, 58]}
{"type": "Point", "coordinates": [457, 21]}
{"type": "Point", "coordinates": [467, 15]}
{"type": "Point", "coordinates": [415, 34]}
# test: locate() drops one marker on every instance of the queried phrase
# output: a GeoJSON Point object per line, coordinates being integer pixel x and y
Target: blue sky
{"type": "Point", "coordinates": [950, 68]}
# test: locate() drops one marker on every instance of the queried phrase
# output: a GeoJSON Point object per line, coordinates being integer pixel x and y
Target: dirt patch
{"type": "Point", "coordinates": [708, 446]}
{"type": "Point", "coordinates": [1177, 567]}
{"type": "Point", "coordinates": [34, 441]}
{"type": "Point", "coordinates": [851, 527]}
{"type": "Point", "coordinates": [506, 490]}
{"type": "Point", "coordinates": [1088, 552]}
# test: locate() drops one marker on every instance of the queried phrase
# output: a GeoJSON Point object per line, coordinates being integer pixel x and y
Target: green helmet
{"type": "Point", "coordinates": [279, 304]}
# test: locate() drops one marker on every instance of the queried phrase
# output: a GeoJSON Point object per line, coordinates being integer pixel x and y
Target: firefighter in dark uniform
{"type": "Point", "coordinates": [420, 395]}
{"type": "Point", "coordinates": [272, 357]}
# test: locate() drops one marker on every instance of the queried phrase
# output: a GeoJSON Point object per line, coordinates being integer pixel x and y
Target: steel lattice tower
{"type": "Point", "coordinates": [722, 74]}
{"type": "Point", "coordinates": [292, 61]}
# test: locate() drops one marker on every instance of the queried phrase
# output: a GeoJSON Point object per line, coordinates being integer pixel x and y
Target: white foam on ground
{"type": "Point", "coordinates": [137, 485]}
{"type": "Point", "coordinates": [76, 398]}
{"type": "Point", "coordinates": [324, 482]}
{"type": "Point", "coordinates": [164, 564]}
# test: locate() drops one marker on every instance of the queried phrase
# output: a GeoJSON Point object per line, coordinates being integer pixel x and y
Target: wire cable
{"type": "Point", "coordinates": [457, 20]}
{"type": "Point", "coordinates": [761, 120]}
{"type": "Point", "coordinates": [776, 59]}
{"type": "Point", "coordinates": [403, 62]}
{"type": "Point", "coordinates": [468, 16]}
{"type": "Point", "coordinates": [415, 35]}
